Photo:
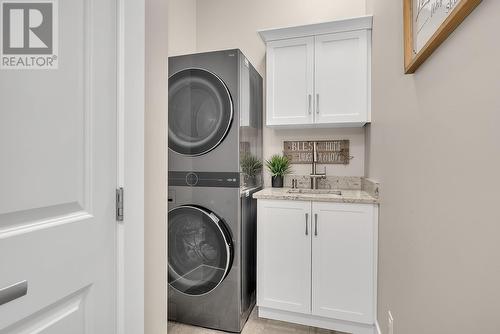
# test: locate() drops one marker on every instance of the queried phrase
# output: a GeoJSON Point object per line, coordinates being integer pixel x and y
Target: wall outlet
{"type": "Point", "coordinates": [390, 323]}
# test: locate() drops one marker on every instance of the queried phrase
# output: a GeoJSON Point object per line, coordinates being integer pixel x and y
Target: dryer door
{"type": "Point", "coordinates": [200, 111]}
{"type": "Point", "coordinates": [200, 251]}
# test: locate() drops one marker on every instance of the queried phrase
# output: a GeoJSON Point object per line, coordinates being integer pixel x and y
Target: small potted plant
{"type": "Point", "coordinates": [279, 166]}
{"type": "Point", "coordinates": [250, 167]}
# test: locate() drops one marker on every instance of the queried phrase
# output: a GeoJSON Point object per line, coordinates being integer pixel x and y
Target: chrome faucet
{"type": "Point", "coordinates": [314, 174]}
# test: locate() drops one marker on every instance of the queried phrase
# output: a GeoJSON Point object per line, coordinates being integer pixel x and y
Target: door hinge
{"type": "Point", "coordinates": [119, 204]}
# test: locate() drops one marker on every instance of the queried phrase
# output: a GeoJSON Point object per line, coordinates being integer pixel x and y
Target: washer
{"type": "Point", "coordinates": [211, 252]}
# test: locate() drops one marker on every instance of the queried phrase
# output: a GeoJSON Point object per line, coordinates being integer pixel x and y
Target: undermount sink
{"type": "Point", "coordinates": [315, 191]}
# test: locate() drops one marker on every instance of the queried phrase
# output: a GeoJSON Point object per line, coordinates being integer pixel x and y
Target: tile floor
{"type": "Point", "coordinates": [254, 325]}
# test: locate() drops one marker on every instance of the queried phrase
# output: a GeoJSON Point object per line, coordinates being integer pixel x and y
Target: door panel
{"type": "Point", "coordinates": [200, 111]}
{"type": "Point", "coordinates": [58, 177]}
{"type": "Point", "coordinates": [63, 317]}
{"type": "Point", "coordinates": [343, 261]}
{"type": "Point", "coordinates": [284, 255]}
{"type": "Point", "coordinates": [200, 250]}
{"type": "Point", "coordinates": [341, 80]}
{"type": "Point", "coordinates": [290, 67]}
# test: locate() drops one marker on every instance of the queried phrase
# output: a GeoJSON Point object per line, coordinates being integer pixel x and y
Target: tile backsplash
{"type": "Point", "coordinates": [273, 144]}
{"type": "Point", "coordinates": [330, 182]}
{"type": "Point", "coordinates": [335, 182]}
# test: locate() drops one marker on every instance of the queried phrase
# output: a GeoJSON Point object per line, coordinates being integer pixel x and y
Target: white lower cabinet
{"type": "Point", "coordinates": [284, 267]}
{"type": "Point", "coordinates": [316, 263]}
{"type": "Point", "coordinates": [343, 262]}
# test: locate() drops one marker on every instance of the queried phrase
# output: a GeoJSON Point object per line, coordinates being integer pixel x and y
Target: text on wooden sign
{"type": "Point", "coordinates": [327, 151]}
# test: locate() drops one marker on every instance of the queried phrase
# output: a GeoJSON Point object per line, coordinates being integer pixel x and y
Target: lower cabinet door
{"type": "Point", "coordinates": [284, 255]}
{"type": "Point", "coordinates": [343, 261]}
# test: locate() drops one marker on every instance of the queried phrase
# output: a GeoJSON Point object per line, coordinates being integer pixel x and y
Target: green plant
{"type": "Point", "coordinates": [250, 165]}
{"type": "Point", "coordinates": [278, 165]}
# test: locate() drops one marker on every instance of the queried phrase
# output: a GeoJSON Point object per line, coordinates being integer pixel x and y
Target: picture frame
{"type": "Point", "coordinates": [424, 34]}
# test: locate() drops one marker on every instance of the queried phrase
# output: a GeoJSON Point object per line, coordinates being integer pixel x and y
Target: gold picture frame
{"type": "Point", "coordinates": [460, 11]}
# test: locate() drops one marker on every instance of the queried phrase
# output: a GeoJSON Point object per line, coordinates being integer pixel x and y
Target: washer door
{"type": "Point", "coordinates": [200, 112]}
{"type": "Point", "coordinates": [200, 251]}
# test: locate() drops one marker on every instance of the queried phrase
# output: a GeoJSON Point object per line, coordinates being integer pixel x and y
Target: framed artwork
{"type": "Point", "coordinates": [427, 24]}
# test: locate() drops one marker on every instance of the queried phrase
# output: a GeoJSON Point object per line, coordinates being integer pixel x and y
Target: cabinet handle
{"type": "Point", "coordinates": [317, 103]}
{"type": "Point", "coordinates": [309, 101]}
{"type": "Point", "coordinates": [307, 220]}
{"type": "Point", "coordinates": [316, 224]}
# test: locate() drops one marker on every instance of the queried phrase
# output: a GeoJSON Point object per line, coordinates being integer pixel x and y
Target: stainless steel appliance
{"type": "Point", "coordinates": [215, 111]}
{"type": "Point", "coordinates": [215, 128]}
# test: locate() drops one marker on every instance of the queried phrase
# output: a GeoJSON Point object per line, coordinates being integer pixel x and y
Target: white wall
{"type": "Point", "coordinates": [181, 27]}
{"type": "Point", "coordinates": [435, 146]}
{"type": "Point", "coordinates": [273, 143]}
{"type": "Point", "coordinates": [155, 169]}
{"type": "Point", "coordinates": [224, 24]}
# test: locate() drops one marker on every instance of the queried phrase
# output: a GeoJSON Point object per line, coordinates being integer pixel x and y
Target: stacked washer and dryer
{"type": "Point", "coordinates": [215, 129]}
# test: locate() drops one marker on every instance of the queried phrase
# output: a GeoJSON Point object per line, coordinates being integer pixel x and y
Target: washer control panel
{"type": "Point", "coordinates": [204, 179]}
{"type": "Point", "coordinates": [191, 179]}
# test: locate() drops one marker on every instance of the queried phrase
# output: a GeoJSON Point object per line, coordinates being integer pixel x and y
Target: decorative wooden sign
{"type": "Point", "coordinates": [427, 24]}
{"type": "Point", "coordinates": [328, 151]}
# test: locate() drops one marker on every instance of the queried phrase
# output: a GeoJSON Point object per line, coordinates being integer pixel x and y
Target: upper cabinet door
{"type": "Point", "coordinates": [284, 255]}
{"type": "Point", "coordinates": [343, 261]}
{"type": "Point", "coordinates": [290, 80]}
{"type": "Point", "coordinates": [342, 78]}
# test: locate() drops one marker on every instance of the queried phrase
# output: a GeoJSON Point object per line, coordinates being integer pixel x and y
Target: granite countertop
{"type": "Point", "coordinates": [347, 196]}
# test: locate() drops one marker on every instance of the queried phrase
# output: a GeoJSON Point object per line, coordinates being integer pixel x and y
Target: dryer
{"type": "Point", "coordinates": [213, 96]}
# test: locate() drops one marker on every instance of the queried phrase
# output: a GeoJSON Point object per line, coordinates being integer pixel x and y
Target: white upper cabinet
{"type": "Point", "coordinates": [341, 77]}
{"type": "Point", "coordinates": [319, 75]}
{"type": "Point", "coordinates": [290, 67]}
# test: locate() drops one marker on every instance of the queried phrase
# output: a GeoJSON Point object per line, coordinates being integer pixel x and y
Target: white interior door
{"type": "Point", "coordinates": [341, 80]}
{"type": "Point", "coordinates": [290, 81]}
{"type": "Point", "coordinates": [57, 181]}
{"type": "Point", "coordinates": [284, 255]}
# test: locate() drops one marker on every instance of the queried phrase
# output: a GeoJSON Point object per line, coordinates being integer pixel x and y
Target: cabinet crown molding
{"type": "Point", "coordinates": [350, 24]}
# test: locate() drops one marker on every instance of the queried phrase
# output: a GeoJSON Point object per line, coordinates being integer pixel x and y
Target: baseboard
{"type": "Point", "coordinates": [377, 327]}
{"type": "Point", "coordinates": [315, 321]}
